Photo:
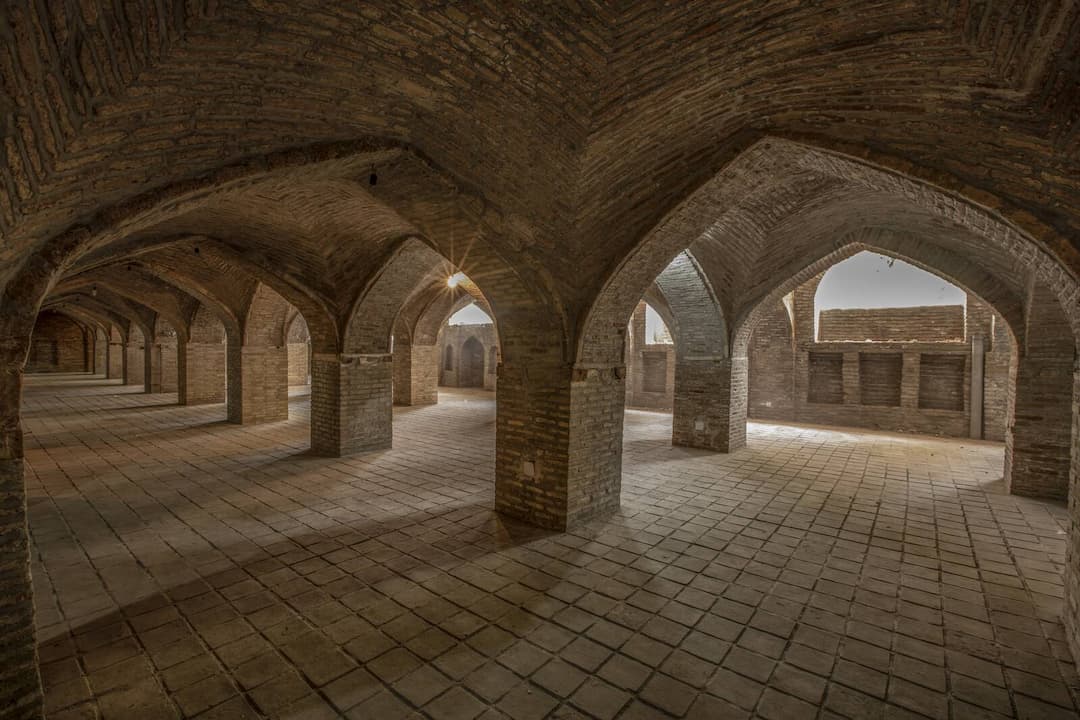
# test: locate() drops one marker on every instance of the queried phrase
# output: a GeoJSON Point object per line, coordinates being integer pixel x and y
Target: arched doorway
{"type": "Point", "coordinates": [471, 372]}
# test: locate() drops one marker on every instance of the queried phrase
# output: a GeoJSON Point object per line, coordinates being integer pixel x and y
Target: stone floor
{"type": "Point", "coordinates": [187, 567]}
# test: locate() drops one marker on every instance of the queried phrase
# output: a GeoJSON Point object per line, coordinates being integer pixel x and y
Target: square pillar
{"type": "Point", "coordinates": [20, 684]}
{"type": "Point", "coordinates": [1038, 448]}
{"type": "Point", "coordinates": [416, 374]}
{"type": "Point", "coordinates": [351, 403]}
{"type": "Point", "coordinates": [709, 407]}
{"type": "Point", "coordinates": [101, 353]}
{"type": "Point", "coordinates": [20, 689]}
{"type": "Point", "coordinates": [135, 365]}
{"type": "Point", "coordinates": [558, 443]}
{"type": "Point", "coordinates": [115, 361]}
{"type": "Point", "coordinates": [1070, 614]}
{"type": "Point", "coordinates": [201, 373]}
{"type": "Point", "coordinates": [258, 384]}
{"type": "Point", "coordinates": [163, 366]}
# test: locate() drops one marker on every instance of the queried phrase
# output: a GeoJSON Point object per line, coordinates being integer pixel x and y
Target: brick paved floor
{"type": "Point", "coordinates": [187, 567]}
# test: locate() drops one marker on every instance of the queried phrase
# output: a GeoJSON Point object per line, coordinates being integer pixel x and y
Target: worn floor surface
{"type": "Point", "coordinates": [187, 567]}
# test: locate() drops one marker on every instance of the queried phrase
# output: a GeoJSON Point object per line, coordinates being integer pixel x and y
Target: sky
{"type": "Point", "coordinates": [655, 329]}
{"type": "Point", "coordinates": [470, 315]}
{"type": "Point", "coordinates": [867, 280]}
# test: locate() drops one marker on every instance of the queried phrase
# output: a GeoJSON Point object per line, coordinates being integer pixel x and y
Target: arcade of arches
{"type": "Point", "coordinates": [232, 235]}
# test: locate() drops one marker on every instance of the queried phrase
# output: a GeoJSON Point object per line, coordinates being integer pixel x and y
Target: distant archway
{"type": "Point", "coordinates": [471, 372]}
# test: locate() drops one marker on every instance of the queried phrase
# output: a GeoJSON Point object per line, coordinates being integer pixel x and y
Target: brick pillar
{"type": "Point", "coordinates": [201, 373]}
{"type": "Point", "coordinates": [163, 366]}
{"type": "Point", "coordinates": [135, 365]}
{"type": "Point", "coordinates": [558, 443]}
{"type": "Point", "coordinates": [258, 384]}
{"type": "Point", "coordinates": [1071, 612]}
{"type": "Point", "coordinates": [1038, 448]}
{"type": "Point", "coordinates": [351, 403]}
{"type": "Point", "coordinates": [416, 374]}
{"type": "Point", "coordinates": [709, 408]}
{"type": "Point", "coordinates": [101, 353]}
{"type": "Point", "coordinates": [115, 362]}
{"type": "Point", "coordinates": [20, 685]}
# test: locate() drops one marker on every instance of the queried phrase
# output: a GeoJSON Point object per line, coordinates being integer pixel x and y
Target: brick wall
{"type": "Point", "coordinates": [58, 344]}
{"type": "Point", "coordinates": [940, 323]}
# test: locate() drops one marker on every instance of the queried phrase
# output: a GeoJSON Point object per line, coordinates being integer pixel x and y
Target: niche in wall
{"type": "Point", "coordinates": [880, 375]}
{"type": "Point", "coordinates": [941, 381]}
{"type": "Point", "coordinates": [825, 380]}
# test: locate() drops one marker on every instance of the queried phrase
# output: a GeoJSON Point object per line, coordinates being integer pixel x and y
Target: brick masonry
{"type": "Point", "coordinates": [258, 384]}
{"type": "Point", "coordinates": [351, 403]}
{"type": "Point", "coordinates": [135, 357]}
{"type": "Point", "coordinates": [564, 467]}
{"type": "Point", "coordinates": [116, 360]}
{"type": "Point", "coordinates": [19, 681]}
{"type": "Point", "coordinates": [101, 352]}
{"type": "Point", "coordinates": [922, 385]}
{"type": "Point", "coordinates": [539, 148]}
{"type": "Point", "coordinates": [202, 373]}
{"type": "Point", "coordinates": [299, 367]}
{"type": "Point", "coordinates": [650, 367]}
{"type": "Point", "coordinates": [58, 344]}
{"type": "Point", "coordinates": [416, 374]}
{"type": "Point", "coordinates": [935, 323]}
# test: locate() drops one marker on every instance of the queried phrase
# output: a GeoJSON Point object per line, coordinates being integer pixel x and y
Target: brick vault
{"type": "Point", "coordinates": [219, 199]}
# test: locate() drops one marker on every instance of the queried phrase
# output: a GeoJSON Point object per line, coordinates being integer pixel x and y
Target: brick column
{"type": "Point", "coordinates": [201, 373]}
{"type": "Point", "coordinates": [135, 365]}
{"type": "Point", "coordinates": [20, 685]}
{"type": "Point", "coordinates": [351, 403]}
{"type": "Point", "coordinates": [1070, 614]}
{"type": "Point", "coordinates": [1038, 449]}
{"type": "Point", "coordinates": [558, 443]}
{"type": "Point", "coordinates": [101, 353]}
{"type": "Point", "coordinates": [416, 374]}
{"type": "Point", "coordinates": [163, 366]}
{"type": "Point", "coordinates": [709, 409]}
{"type": "Point", "coordinates": [115, 362]}
{"type": "Point", "coordinates": [258, 384]}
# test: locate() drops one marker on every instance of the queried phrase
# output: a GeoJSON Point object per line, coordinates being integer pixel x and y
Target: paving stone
{"type": "Point", "coordinates": [794, 565]}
